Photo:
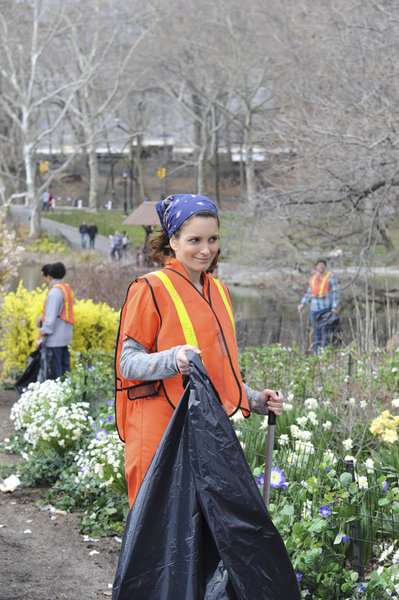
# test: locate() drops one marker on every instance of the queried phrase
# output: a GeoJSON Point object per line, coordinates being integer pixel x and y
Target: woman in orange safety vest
{"type": "Point", "coordinates": [168, 312]}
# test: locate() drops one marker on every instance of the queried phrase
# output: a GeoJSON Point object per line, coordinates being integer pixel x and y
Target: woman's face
{"type": "Point", "coordinates": [197, 245]}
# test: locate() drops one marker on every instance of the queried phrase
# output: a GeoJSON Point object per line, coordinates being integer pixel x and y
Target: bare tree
{"type": "Point", "coordinates": [333, 168]}
{"type": "Point", "coordinates": [27, 32]}
{"type": "Point", "coordinates": [103, 37]}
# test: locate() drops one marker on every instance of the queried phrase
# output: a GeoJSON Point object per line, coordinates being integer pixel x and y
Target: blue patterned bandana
{"type": "Point", "coordinates": [176, 209]}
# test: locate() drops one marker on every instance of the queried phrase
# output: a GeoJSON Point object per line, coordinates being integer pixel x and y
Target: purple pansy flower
{"type": "Point", "coordinates": [101, 434]}
{"type": "Point", "coordinates": [325, 511]}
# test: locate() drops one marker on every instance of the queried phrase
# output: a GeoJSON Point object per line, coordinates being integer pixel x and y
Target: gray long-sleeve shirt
{"type": "Point", "coordinates": [58, 332]}
{"type": "Point", "coordinates": [137, 364]}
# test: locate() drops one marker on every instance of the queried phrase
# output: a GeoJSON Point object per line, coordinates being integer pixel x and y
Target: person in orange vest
{"type": "Point", "coordinates": [56, 323]}
{"type": "Point", "coordinates": [323, 295]}
{"type": "Point", "coordinates": [167, 313]}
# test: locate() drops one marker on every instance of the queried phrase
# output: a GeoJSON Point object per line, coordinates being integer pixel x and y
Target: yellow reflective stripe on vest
{"type": "Point", "coordinates": [66, 300]}
{"type": "Point", "coordinates": [226, 302]}
{"type": "Point", "coordinates": [323, 284]}
{"type": "Point", "coordinates": [185, 321]}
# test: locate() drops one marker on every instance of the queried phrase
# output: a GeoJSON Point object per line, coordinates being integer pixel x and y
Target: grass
{"type": "Point", "coordinates": [107, 222]}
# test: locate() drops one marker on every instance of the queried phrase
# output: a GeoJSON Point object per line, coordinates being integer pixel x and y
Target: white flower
{"type": "Point", "coordinates": [287, 406]}
{"type": "Point", "coordinates": [369, 465]}
{"type": "Point", "coordinates": [306, 509]}
{"type": "Point", "coordinates": [283, 439]}
{"type": "Point", "coordinates": [362, 482]}
{"type": "Point", "coordinates": [304, 447]}
{"type": "Point", "coordinates": [237, 416]}
{"type": "Point", "coordinates": [350, 458]}
{"type": "Point", "coordinates": [313, 417]}
{"type": "Point", "coordinates": [363, 404]}
{"type": "Point", "coordinates": [347, 444]}
{"type": "Point", "coordinates": [302, 421]}
{"type": "Point", "coordinates": [295, 431]}
{"type": "Point", "coordinates": [311, 403]}
{"type": "Point", "coordinates": [327, 425]}
{"type": "Point", "coordinates": [305, 435]}
{"type": "Point", "coordinates": [395, 402]}
{"type": "Point", "coordinates": [330, 457]}
{"type": "Point", "coordinates": [352, 401]}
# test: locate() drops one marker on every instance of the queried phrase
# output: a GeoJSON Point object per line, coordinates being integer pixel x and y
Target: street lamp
{"type": "Point", "coordinates": [125, 176]}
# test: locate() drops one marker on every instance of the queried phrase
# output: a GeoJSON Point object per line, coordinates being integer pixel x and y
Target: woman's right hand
{"type": "Point", "coordinates": [181, 358]}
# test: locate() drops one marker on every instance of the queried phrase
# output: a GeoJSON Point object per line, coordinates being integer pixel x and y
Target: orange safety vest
{"type": "Point", "coordinates": [67, 313]}
{"type": "Point", "coordinates": [320, 284]}
{"type": "Point", "coordinates": [186, 317]}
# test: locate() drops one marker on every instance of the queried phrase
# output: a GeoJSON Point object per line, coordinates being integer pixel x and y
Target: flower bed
{"type": "Point", "coordinates": [334, 485]}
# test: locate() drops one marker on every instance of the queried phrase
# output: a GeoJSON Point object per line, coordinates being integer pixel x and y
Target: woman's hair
{"type": "Point", "coordinates": [158, 241]}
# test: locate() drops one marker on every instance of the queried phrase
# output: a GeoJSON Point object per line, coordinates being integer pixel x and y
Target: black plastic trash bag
{"type": "Point", "coordinates": [330, 324]}
{"type": "Point", "coordinates": [39, 368]}
{"type": "Point", "coordinates": [328, 319]}
{"type": "Point", "coordinates": [199, 529]}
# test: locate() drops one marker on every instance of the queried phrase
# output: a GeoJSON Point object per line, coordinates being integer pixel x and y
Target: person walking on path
{"type": "Point", "coordinates": [323, 295]}
{"type": "Point", "coordinates": [92, 231]}
{"type": "Point", "coordinates": [56, 323]}
{"type": "Point", "coordinates": [116, 246]}
{"type": "Point", "coordinates": [83, 230]}
{"type": "Point", "coordinates": [45, 199]}
{"type": "Point", "coordinates": [167, 313]}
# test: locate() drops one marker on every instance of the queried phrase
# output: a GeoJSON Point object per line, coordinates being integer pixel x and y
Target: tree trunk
{"type": "Point", "coordinates": [249, 163]}
{"type": "Point", "coordinates": [201, 171]}
{"type": "Point", "coordinates": [93, 169]}
{"type": "Point", "coordinates": [32, 201]}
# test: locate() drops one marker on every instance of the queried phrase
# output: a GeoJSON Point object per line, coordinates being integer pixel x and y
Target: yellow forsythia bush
{"type": "Point", "coordinates": [96, 326]}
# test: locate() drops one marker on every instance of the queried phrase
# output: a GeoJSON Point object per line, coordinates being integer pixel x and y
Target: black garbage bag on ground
{"type": "Point", "coordinates": [39, 368]}
{"type": "Point", "coordinates": [199, 529]}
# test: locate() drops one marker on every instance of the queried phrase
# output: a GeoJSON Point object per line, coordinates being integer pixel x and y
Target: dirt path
{"type": "Point", "coordinates": [42, 554]}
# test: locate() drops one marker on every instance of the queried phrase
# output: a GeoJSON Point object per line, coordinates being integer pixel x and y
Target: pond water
{"type": "Point", "coordinates": [260, 320]}
{"type": "Point", "coordinates": [31, 276]}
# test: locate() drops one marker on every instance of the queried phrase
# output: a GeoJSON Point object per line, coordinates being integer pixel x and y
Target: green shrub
{"type": "Point", "coordinates": [95, 327]}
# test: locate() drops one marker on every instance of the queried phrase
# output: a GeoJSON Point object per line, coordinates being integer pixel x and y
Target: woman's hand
{"type": "Point", "coordinates": [181, 358]}
{"type": "Point", "coordinates": [272, 401]}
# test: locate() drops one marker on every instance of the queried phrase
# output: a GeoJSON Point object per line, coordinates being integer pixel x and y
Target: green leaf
{"type": "Point", "coordinates": [353, 489]}
{"type": "Point", "coordinates": [345, 479]}
{"type": "Point", "coordinates": [318, 525]}
{"type": "Point", "coordinates": [288, 509]}
{"type": "Point", "coordinates": [338, 538]}
{"type": "Point", "coordinates": [383, 501]}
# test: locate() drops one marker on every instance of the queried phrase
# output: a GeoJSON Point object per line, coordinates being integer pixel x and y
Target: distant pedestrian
{"type": "Point", "coordinates": [324, 302]}
{"type": "Point", "coordinates": [117, 246]}
{"type": "Point", "coordinates": [92, 231]}
{"type": "Point", "coordinates": [335, 254]}
{"type": "Point", "coordinates": [83, 230]}
{"type": "Point", "coordinates": [125, 242]}
{"type": "Point", "coordinates": [45, 198]}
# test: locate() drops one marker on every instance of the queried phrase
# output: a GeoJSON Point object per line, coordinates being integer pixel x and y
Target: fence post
{"type": "Point", "coordinates": [350, 364]}
{"type": "Point", "coordinates": [355, 529]}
